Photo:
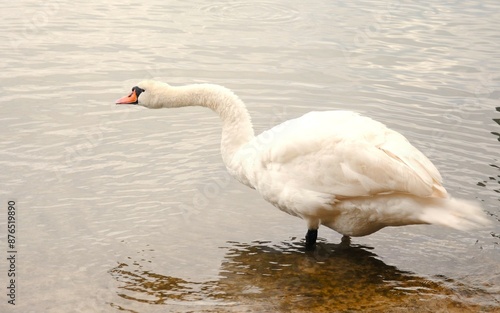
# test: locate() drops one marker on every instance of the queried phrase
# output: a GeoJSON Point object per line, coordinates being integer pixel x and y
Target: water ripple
{"type": "Point", "coordinates": [254, 12]}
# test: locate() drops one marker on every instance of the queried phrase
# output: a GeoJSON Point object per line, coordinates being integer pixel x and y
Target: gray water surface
{"type": "Point", "coordinates": [125, 209]}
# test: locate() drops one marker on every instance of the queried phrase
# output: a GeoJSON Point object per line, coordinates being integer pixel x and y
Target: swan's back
{"type": "Point", "coordinates": [341, 154]}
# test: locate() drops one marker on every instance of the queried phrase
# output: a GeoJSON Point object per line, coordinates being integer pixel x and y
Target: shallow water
{"type": "Point", "coordinates": [124, 209]}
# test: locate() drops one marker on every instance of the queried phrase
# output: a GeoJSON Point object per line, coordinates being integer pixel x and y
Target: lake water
{"type": "Point", "coordinates": [125, 209]}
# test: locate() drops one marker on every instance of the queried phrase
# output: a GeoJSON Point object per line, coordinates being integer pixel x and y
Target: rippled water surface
{"type": "Point", "coordinates": [124, 209]}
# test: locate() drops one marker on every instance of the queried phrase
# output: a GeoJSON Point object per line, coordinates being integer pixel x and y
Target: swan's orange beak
{"type": "Point", "coordinates": [130, 99]}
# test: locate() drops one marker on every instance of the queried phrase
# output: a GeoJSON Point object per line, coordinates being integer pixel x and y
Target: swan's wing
{"type": "Point", "coordinates": [342, 154]}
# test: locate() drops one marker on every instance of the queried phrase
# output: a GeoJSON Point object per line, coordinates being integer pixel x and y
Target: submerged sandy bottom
{"type": "Point", "coordinates": [258, 277]}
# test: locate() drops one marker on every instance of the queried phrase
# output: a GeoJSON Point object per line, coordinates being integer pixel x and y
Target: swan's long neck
{"type": "Point", "coordinates": [237, 127]}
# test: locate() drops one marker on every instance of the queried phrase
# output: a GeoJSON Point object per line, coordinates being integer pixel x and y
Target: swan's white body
{"type": "Point", "coordinates": [333, 168]}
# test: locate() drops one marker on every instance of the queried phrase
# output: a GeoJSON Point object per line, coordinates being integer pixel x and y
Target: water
{"type": "Point", "coordinates": [124, 209]}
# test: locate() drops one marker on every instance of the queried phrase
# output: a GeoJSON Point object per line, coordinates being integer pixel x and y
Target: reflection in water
{"type": "Point", "coordinates": [260, 277]}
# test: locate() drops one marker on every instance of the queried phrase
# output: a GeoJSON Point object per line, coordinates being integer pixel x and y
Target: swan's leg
{"type": "Point", "coordinates": [311, 236]}
{"type": "Point", "coordinates": [345, 241]}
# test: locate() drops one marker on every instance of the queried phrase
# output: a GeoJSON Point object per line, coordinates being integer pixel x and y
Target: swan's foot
{"type": "Point", "coordinates": [311, 236]}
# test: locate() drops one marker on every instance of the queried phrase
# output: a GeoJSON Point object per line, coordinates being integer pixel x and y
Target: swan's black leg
{"type": "Point", "coordinates": [311, 236]}
{"type": "Point", "coordinates": [345, 241]}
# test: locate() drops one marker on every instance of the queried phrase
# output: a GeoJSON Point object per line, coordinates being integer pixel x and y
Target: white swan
{"type": "Point", "coordinates": [333, 168]}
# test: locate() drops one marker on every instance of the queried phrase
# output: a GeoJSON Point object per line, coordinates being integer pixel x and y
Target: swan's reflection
{"type": "Point", "coordinates": [284, 278]}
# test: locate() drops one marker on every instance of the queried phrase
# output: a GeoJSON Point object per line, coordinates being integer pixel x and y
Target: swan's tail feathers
{"type": "Point", "coordinates": [456, 213]}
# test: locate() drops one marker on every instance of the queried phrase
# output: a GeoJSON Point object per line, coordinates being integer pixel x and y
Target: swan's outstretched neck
{"type": "Point", "coordinates": [237, 127]}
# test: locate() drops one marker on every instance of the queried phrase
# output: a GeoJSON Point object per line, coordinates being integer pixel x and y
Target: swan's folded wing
{"type": "Point", "coordinates": [399, 149]}
{"type": "Point", "coordinates": [345, 155]}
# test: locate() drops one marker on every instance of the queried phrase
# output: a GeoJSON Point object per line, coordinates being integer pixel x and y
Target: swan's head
{"type": "Point", "coordinates": [147, 93]}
